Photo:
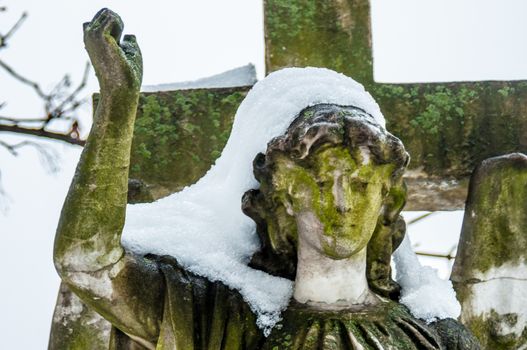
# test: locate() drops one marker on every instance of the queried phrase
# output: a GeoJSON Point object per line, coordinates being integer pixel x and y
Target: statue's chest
{"type": "Point", "coordinates": [388, 326]}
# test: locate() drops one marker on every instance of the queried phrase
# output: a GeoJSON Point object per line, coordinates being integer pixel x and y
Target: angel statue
{"type": "Point", "coordinates": [285, 243]}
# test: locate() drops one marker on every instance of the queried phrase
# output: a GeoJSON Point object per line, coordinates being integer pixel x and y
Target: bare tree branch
{"type": "Point", "coordinates": [44, 133]}
{"type": "Point", "coordinates": [64, 106]}
{"type": "Point", "coordinates": [59, 103]}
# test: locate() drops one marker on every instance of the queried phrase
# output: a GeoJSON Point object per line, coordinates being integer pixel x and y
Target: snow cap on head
{"type": "Point", "coordinates": [203, 226]}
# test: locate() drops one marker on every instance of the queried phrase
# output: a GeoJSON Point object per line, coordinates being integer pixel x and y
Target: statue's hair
{"type": "Point", "coordinates": [317, 127]}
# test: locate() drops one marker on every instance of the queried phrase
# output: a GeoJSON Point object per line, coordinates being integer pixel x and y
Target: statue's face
{"type": "Point", "coordinates": [335, 199]}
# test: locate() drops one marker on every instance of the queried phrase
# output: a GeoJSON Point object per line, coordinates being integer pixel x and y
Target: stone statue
{"type": "Point", "coordinates": [327, 214]}
{"type": "Point", "coordinates": [492, 285]}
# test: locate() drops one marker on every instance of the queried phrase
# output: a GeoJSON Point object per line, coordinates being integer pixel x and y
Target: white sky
{"type": "Point", "coordinates": [414, 40]}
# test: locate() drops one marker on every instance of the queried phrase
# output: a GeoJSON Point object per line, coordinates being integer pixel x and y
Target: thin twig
{"type": "Point", "coordinates": [10, 148]}
{"type": "Point", "coordinates": [47, 155]}
{"type": "Point", "coordinates": [24, 80]}
{"type": "Point", "coordinates": [15, 27]}
{"type": "Point", "coordinates": [17, 121]}
{"type": "Point", "coordinates": [419, 218]}
{"type": "Point", "coordinates": [436, 255]}
{"type": "Point", "coordinates": [71, 99]}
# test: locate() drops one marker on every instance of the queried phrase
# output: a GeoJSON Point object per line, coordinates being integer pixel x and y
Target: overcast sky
{"type": "Point", "coordinates": [414, 40]}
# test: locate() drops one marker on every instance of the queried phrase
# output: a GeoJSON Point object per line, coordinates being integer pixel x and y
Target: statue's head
{"type": "Point", "coordinates": [336, 174]}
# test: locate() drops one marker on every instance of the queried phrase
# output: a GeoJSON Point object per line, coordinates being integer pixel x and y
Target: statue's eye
{"type": "Point", "coordinates": [358, 185]}
{"type": "Point", "coordinates": [321, 184]}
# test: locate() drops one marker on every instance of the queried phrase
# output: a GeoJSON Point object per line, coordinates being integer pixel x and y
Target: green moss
{"type": "Point", "coordinates": [311, 187]}
{"type": "Point", "coordinates": [309, 328]}
{"type": "Point", "coordinates": [489, 330]}
{"type": "Point", "coordinates": [178, 135]}
{"type": "Point", "coordinates": [332, 34]}
{"type": "Point", "coordinates": [449, 128]}
{"type": "Point", "coordinates": [442, 105]}
{"type": "Point", "coordinates": [506, 91]}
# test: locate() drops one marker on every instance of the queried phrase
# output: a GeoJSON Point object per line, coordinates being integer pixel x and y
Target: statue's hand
{"type": "Point", "coordinates": [117, 65]}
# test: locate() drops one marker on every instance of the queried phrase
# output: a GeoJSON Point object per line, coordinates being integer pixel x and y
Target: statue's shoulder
{"type": "Point", "coordinates": [200, 313]}
{"type": "Point", "coordinates": [385, 325]}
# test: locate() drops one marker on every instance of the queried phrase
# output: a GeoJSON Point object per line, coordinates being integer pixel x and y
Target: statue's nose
{"type": "Point", "coordinates": [343, 209]}
{"type": "Point", "coordinates": [341, 205]}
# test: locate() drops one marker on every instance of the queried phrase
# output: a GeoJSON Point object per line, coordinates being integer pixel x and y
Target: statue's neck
{"type": "Point", "coordinates": [324, 282]}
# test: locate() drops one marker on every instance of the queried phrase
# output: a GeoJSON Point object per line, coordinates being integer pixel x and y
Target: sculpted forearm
{"type": "Point", "coordinates": [92, 218]}
{"type": "Point", "coordinates": [88, 235]}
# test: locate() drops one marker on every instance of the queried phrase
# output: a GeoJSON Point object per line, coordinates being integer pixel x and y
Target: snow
{"type": "Point", "coordinates": [438, 233]}
{"type": "Point", "coordinates": [241, 76]}
{"type": "Point", "coordinates": [203, 225]}
{"type": "Point", "coordinates": [426, 295]}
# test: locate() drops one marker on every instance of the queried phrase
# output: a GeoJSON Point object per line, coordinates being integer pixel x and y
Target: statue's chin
{"type": "Point", "coordinates": [339, 249]}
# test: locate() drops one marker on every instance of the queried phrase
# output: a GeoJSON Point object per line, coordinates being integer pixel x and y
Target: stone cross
{"type": "Point", "coordinates": [448, 128]}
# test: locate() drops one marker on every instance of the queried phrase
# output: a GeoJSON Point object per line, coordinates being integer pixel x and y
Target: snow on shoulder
{"type": "Point", "coordinates": [203, 226]}
{"type": "Point", "coordinates": [426, 295]}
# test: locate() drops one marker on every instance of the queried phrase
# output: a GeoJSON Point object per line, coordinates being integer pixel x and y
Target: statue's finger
{"type": "Point", "coordinates": [132, 52]}
{"type": "Point", "coordinates": [113, 25]}
{"type": "Point", "coordinates": [106, 22]}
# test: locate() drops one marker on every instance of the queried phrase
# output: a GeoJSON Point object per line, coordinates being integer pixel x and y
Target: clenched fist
{"type": "Point", "coordinates": [118, 65]}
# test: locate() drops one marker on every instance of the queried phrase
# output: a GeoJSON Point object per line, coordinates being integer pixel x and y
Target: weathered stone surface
{"type": "Point", "coordinates": [385, 326]}
{"type": "Point", "coordinates": [490, 271]}
{"type": "Point", "coordinates": [454, 335]}
{"type": "Point", "coordinates": [76, 326]}
{"type": "Point", "coordinates": [448, 128]}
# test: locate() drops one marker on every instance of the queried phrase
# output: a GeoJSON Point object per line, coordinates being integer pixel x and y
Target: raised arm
{"type": "Point", "coordinates": [88, 254]}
